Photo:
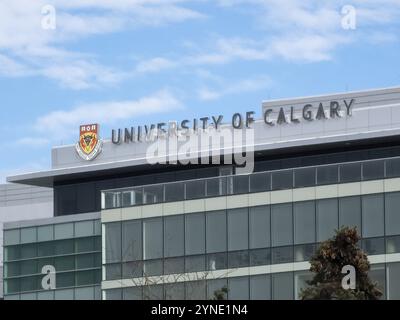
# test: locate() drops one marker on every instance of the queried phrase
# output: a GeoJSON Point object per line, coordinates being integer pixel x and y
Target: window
{"type": "Point", "coordinates": [282, 224]}
{"type": "Point", "coordinates": [195, 189]}
{"type": "Point", "coordinates": [392, 213]}
{"type": "Point", "coordinates": [132, 269]}
{"type": "Point", "coordinates": [300, 281]}
{"type": "Point", "coordinates": [11, 237]}
{"type": "Point", "coordinates": [260, 182]}
{"type": "Point", "coordinates": [174, 236]}
{"type": "Point", "coordinates": [350, 212]}
{"type": "Point", "coordinates": [282, 179]}
{"type": "Point", "coordinates": [113, 271]}
{"type": "Point", "coordinates": [195, 290]}
{"type": "Point", "coordinates": [131, 240]}
{"type": "Point", "coordinates": [45, 233]}
{"type": "Point", "coordinates": [373, 246]}
{"type": "Point", "coordinates": [282, 254]}
{"type": "Point", "coordinates": [195, 233]}
{"type": "Point", "coordinates": [260, 257]}
{"type": "Point", "coordinates": [217, 261]}
{"type": "Point", "coordinates": [216, 187]}
{"type": "Point", "coordinates": [64, 231]}
{"type": "Point", "coordinates": [64, 263]}
{"type": "Point", "coordinates": [238, 229]}
{"type": "Point", "coordinates": [350, 172]}
{"type": "Point", "coordinates": [113, 242]}
{"type": "Point", "coordinates": [174, 291]}
{"type": "Point", "coordinates": [304, 222]}
{"type": "Point", "coordinates": [393, 274]}
{"type": "Point", "coordinates": [28, 235]}
{"type": "Point", "coordinates": [304, 252]}
{"type": "Point", "coordinates": [174, 265]}
{"type": "Point", "coordinates": [327, 218]}
{"type": "Point", "coordinates": [153, 292]}
{"type": "Point", "coordinates": [216, 231]}
{"type": "Point", "coordinates": [85, 244]}
{"type": "Point", "coordinates": [113, 294]}
{"type": "Point", "coordinates": [195, 263]}
{"type": "Point", "coordinates": [393, 244]}
{"type": "Point", "coordinates": [304, 177]}
{"type": "Point", "coordinates": [238, 259]}
{"type": "Point", "coordinates": [392, 168]}
{"type": "Point", "coordinates": [377, 274]}
{"type": "Point", "coordinates": [259, 220]}
{"type": "Point", "coordinates": [85, 197]}
{"type": "Point", "coordinates": [238, 288]}
{"type": "Point", "coordinates": [214, 286]}
{"type": "Point", "coordinates": [282, 286]}
{"type": "Point", "coordinates": [84, 229]}
{"type": "Point", "coordinates": [174, 191]}
{"type": "Point", "coordinates": [153, 238]}
{"type": "Point", "coordinates": [133, 293]}
{"type": "Point", "coordinates": [240, 184]}
{"type": "Point", "coordinates": [153, 268]}
{"type": "Point", "coordinates": [153, 194]}
{"type": "Point", "coordinates": [373, 170]}
{"type": "Point", "coordinates": [260, 287]}
{"type": "Point", "coordinates": [372, 215]}
{"type": "Point", "coordinates": [327, 174]}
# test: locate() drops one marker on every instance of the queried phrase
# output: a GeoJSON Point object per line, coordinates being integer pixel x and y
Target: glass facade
{"type": "Point", "coordinates": [73, 249]}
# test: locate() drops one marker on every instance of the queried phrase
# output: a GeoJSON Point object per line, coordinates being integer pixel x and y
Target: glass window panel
{"type": "Point", "coordinates": [373, 246]}
{"type": "Point", "coordinates": [28, 296]}
{"type": "Point", "coordinates": [282, 224]}
{"type": "Point", "coordinates": [372, 215]}
{"type": "Point", "coordinates": [84, 278]}
{"type": "Point", "coordinates": [216, 187]}
{"type": "Point", "coordinates": [113, 294]}
{"type": "Point", "coordinates": [259, 220]}
{"type": "Point", "coordinates": [113, 242]}
{"type": "Point", "coordinates": [282, 286]}
{"type": "Point", "coordinates": [132, 269]}
{"type": "Point", "coordinates": [28, 251]}
{"type": "Point", "coordinates": [45, 262]}
{"type": "Point", "coordinates": [153, 292]}
{"type": "Point", "coordinates": [393, 280]}
{"type": "Point", "coordinates": [133, 293]}
{"type": "Point", "coordinates": [175, 191]}
{"type": "Point", "coordinates": [153, 268]}
{"type": "Point", "coordinates": [174, 236]}
{"type": "Point", "coordinates": [153, 194]}
{"type": "Point", "coordinates": [350, 172]}
{"type": "Point", "coordinates": [29, 284]}
{"type": "Point", "coordinates": [304, 177]}
{"type": "Point", "coordinates": [11, 286]}
{"type": "Point", "coordinates": [217, 261]}
{"type": "Point", "coordinates": [393, 168]}
{"type": "Point", "coordinates": [377, 275]}
{"type": "Point", "coordinates": [373, 170]}
{"type": "Point", "coordinates": [393, 244]}
{"type": "Point", "coordinates": [28, 235]}
{"type": "Point", "coordinates": [304, 252]}
{"type": "Point", "coordinates": [84, 228]}
{"type": "Point", "coordinates": [153, 238]}
{"type": "Point", "coordinates": [195, 290]}
{"type": "Point", "coordinates": [260, 257]}
{"type": "Point", "coordinates": [327, 174]}
{"type": "Point", "coordinates": [260, 287]}
{"type": "Point", "coordinates": [304, 222]}
{"type": "Point", "coordinates": [64, 247]}
{"type": "Point", "coordinates": [11, 253]}
{"type": "Point", "coordinates": [327, 218]}
{"type": "Point", "coordinates": [45, 295]}
{"type": "Point", "coordinates": [11, 269]}
{"type": "Point", "coordinates": [67, 294]}
{"type": "Point", "coordinates": [195, 233]}
{"type": "Point", "coordinates": [84, 293]}
{"type": "Point", "coordinates": [238, 288]}
{"type": "Point", "coordinates": [28, 267]}
{"type": "Point", "coordinates": [195, 189]}
{"type": "Point", "coordinates": [300, 281]}
{"type": "Point", "coordinates": [174, 266]}
{"type": "Point", "coordinates": [392, 213]}
{"type": "Point", "coordinates": [85, 197]}
{"type": "Point", "coordinates": [216, 285]}
{"type": "Point", "coordinates": [350, 212]}
{"type": "Point", "coordinates": [63, 231]}
{"type": "Point", "coordinates": [97, 228]}
{"type": "Point", "coordinates": [11, 237]}
{"type": "Point", "coordinates": [84, 244]}
{"type": "Point", "coordinates": [282, 254]}
{"type": "Point", "coordinates": [216, 231]}
{"type": "Point", "coordinates": [174, 291]}
{"type": "Point", "coordinates": [238, 259]}
{"type": "Point", "coordinates": [64, 263]}
{"type": "Point", "coordinates": [132, 197]}
{"type": "Point", "coordinates": [45, 233]}
{"type": "Point", "coordinates": [282, 179]}
{"type": "Point", "coordinates": [85, 261]}
{"type": "Point", "coordinates": [238, 229]}
{"type": "Point", "coordinates": [195, 263]}
{"type": "Point", "coordinates": [260, 182]}
{"type": "Point", "coordinates": [240, 184]}
{"type": "Point", "coordinates": [132, 240]}
{"type": "Point", "coordinates": [65, 279]}
{"type": "Point", "coordinates": [45, 249]}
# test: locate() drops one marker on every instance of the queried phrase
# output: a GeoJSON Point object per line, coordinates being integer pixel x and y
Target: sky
{"type": "Point", "coordinates": [121, 63]}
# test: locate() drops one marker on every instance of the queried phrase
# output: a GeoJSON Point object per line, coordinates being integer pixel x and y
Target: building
{"type": "Point", "coordinates": [21, 202]}
{"type": "Point", "coordinates": [183, 231]}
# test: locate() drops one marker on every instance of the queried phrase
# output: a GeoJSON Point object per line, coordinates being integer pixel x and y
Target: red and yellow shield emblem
{"type": "Point", "coordinates": [89, 145]}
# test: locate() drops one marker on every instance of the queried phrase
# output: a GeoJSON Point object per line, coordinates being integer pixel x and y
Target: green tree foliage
{"type": "Point", "coordinates": [220, 294]}
{"type": "Point", "coordinates": [327, 264]}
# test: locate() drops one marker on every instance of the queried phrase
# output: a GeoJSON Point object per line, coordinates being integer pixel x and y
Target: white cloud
{"type": "Point", "coordinates": [61, 122]}
{"type": "Point", "coordinates": [241, 86]}
{"type": "Point", "coordinates": [154, 65]}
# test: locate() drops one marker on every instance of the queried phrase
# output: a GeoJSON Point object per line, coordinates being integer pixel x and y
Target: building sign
{"type": "Point", "coordinates": [89, 145]}
{"type": "Point", "coordinates": [271, 117]}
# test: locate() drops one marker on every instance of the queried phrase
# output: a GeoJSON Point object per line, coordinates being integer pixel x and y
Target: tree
{"type": "Point", "coordinates": [220, 294]}
{"type": "Point", "coordinates": [327, 263]}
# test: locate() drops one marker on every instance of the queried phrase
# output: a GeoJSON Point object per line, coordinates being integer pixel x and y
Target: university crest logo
{"type": "Point", "coordinates": [89, 145]}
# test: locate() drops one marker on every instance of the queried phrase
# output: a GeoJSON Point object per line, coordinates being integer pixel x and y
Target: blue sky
{"type": "Point", "coordinates": [134, 62]}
